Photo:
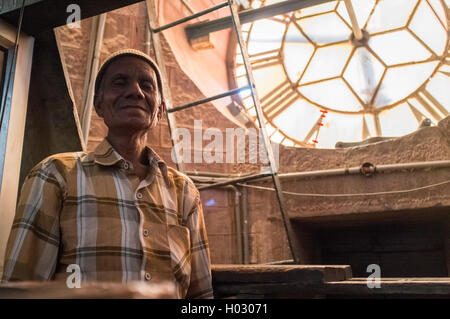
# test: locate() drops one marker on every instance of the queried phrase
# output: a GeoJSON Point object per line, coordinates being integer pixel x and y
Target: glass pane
{"type": "Point", "coordinates": [362, 10]}
{"type": "Point", "coordinates": [370, 122]}
{"type": "Point", "coordinates": [248, 102]}
{"type": "Point", "coordinates": [338, 96]}
{"type": "Point", "coordinates": [274, 73]}
{"type": "Point", "coordinates": [439, 9]}
{"type": "Point", "coordinates": [327, 62]}
{"type": "Point", "coordinates": [297, 120]}
{"type": "Point", "coordinates": [439, 88]}
{"type": "Point", "coordinates": [270, 129]}
{"type": "Point", "coordinates": [363, 73]}
{"type": "Point", "coordinates": [400, 82]}
{"type": "Point", "coordinates": [339, 128]}
{"type": "Point", "coordinates": [324, 7]}
{"type": "Point", "coordinates": [445, 69]}
{"type": "Point", "coordinates": [276, 137]}
{"type": "Point", "coordinates": [325, 29]}
{"type": "Point", "coordinates": [265, 36]}
{"type": "Point", "coordinates": [269, 2]}
{"type": "Point", "coordinates": [419, 107]}
{"type": "Point", "coordinates": [256, 4]}
{"type": "Point", "coordinates": [242, 81]}
{"type": "Point", "coordinates": [240, 70]}
{"type": "Point", "coordinates": [427, 27]}
{"type": "Point", "coordinates": [397, 121]}
{"type": "Point", "coordinates": [297, 51]}
{"type": "Point", "coordinates": [390, 14]}
{"type": "Point", "coordinates": [398, 47]}
{"type": "Point", "coordinates": [288, 142]}
{"type": "Point", "coordinates": [245, 27]}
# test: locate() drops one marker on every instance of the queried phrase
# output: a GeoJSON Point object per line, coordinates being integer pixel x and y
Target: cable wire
{"type": "Point", "coordinates": [346, 195]}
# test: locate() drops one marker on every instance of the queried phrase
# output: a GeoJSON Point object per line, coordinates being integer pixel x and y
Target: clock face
{"type": "Point", "coordinates": [323, 77]}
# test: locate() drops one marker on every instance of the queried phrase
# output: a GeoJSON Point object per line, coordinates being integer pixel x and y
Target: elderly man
{"type": "Point", "coordinates": [118, 213]}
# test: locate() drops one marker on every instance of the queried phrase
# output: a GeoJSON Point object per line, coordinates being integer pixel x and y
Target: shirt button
{"type": "Point", "coordinates": [126, 165]}
{"type": "Point", "coordinates": [139, 195]}
{"type": "Point", "coordinates": [145, 232]}
{"type": "Point", "coordinates": [148, 276]}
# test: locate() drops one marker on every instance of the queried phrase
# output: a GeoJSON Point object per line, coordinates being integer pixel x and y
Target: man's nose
{"type": "Point", "coordinates": [134, 90]}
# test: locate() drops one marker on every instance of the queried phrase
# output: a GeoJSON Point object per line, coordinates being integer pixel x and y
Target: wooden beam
{"type": "Point", "coordinates": [203, 28]}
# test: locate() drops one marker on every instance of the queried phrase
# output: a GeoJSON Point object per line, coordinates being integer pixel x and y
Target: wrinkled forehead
{"type": "Point", "coordinates": [130, 66]}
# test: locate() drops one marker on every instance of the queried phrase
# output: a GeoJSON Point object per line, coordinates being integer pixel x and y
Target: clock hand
{"type": "Point", "coordinates": [351, 13]}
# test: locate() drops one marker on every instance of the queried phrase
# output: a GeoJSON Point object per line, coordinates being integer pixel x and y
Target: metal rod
{"type": "Point", "coordinates": [208, 99]}
{"type": "Point", "coordinates": [213, 174]}
{"type": "Point", "coordinates": [351, 13]}
{"type": "Point", "coordinates": [245, 226]}
{"type": "Point", "coordinates": [417, 165]}
{"type": "Point", "coordinates": [191, 17]}
{"type": "Point", "coordinates": [200, 29]}
{"type": "Point", "coordinates": [238, 221]}
{"type": "Point", "coordinates": [97, 31]}
{"type": "Point", "coordinates": [235, 180]}
{"type": "Point", "coordinates": [292, 240]}
{"type": "Point", "coordinates": [387, 168]}
{"type": "Point", "coordinates": [208, 180]}
{"type": "Point", "coordinates": [159, 57]}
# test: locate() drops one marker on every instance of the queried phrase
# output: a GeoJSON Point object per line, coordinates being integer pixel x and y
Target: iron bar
{"type": "Point", "coordinates": [159, 57]}
{"type": "Point", "coordinates": [208, 99]}
{"type": "Point", "coordinates": [235, 180]}
{"type": "Point", "coordinates": [200, 29]}
{"type": "Point", "coordinates": [386, 168]}
{"type": "Point", "coordinates": [191, 17]}
{"type": "Point", "coordinates": [292, 240]}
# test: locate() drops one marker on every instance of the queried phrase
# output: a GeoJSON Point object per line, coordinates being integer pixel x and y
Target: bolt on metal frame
{"type": "Point", "coordinates": [236, 24]}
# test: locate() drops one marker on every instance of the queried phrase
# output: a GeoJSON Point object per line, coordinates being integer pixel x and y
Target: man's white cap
{"type": "Point", "coordinates": [127, 52]}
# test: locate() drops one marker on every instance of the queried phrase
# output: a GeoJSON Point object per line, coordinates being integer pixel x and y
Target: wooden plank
{"type": "Point", "coordinates": [280, 273]}
{"type": "Point", "coordinates": [92, 290]}
{"type": "Point", "coordinates": [393, 286]}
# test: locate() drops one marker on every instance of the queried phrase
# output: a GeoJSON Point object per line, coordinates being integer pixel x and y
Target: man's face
{"type": "Point", "coordinates": [129, 97]}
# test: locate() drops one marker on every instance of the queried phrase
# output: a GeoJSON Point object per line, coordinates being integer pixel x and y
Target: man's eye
{"type": "Point", "coordinates": [146, 86]}
{"type": "Point", "coordinates": [119, 82]}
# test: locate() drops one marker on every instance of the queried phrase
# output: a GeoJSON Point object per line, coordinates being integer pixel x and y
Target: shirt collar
{"type": "Point", "coordinates": [106, 155]}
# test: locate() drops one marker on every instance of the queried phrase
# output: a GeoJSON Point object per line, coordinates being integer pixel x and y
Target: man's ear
{"type": "Point", "coordinates": [162, 109]}
{"type": "Point", "coordinates": [97, 105]}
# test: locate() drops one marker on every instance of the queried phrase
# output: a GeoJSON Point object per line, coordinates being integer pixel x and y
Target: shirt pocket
{"type": "Point", "coordinates": [180, 252]}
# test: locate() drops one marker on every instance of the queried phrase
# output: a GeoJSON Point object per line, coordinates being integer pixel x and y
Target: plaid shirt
{"type": "Point", "coordinates": [91, 210]}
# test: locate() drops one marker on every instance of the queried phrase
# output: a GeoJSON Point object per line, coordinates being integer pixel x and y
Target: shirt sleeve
{"type": "Point", "coordinates": [33, 244]}
{"type": "Point", "coordinates": [201, 282]}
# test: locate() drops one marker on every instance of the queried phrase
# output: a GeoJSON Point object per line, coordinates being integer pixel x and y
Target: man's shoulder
{"type": "Point", "coordinates": [61, 160]}
{"type": "Point", "coordinates": [181, 180]}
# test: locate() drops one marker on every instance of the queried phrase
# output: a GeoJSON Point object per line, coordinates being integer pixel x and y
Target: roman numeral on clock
{"type": "Point", "coordinates": [278, 99]}
{"type": "Point", "coordinates": [264, 59]}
